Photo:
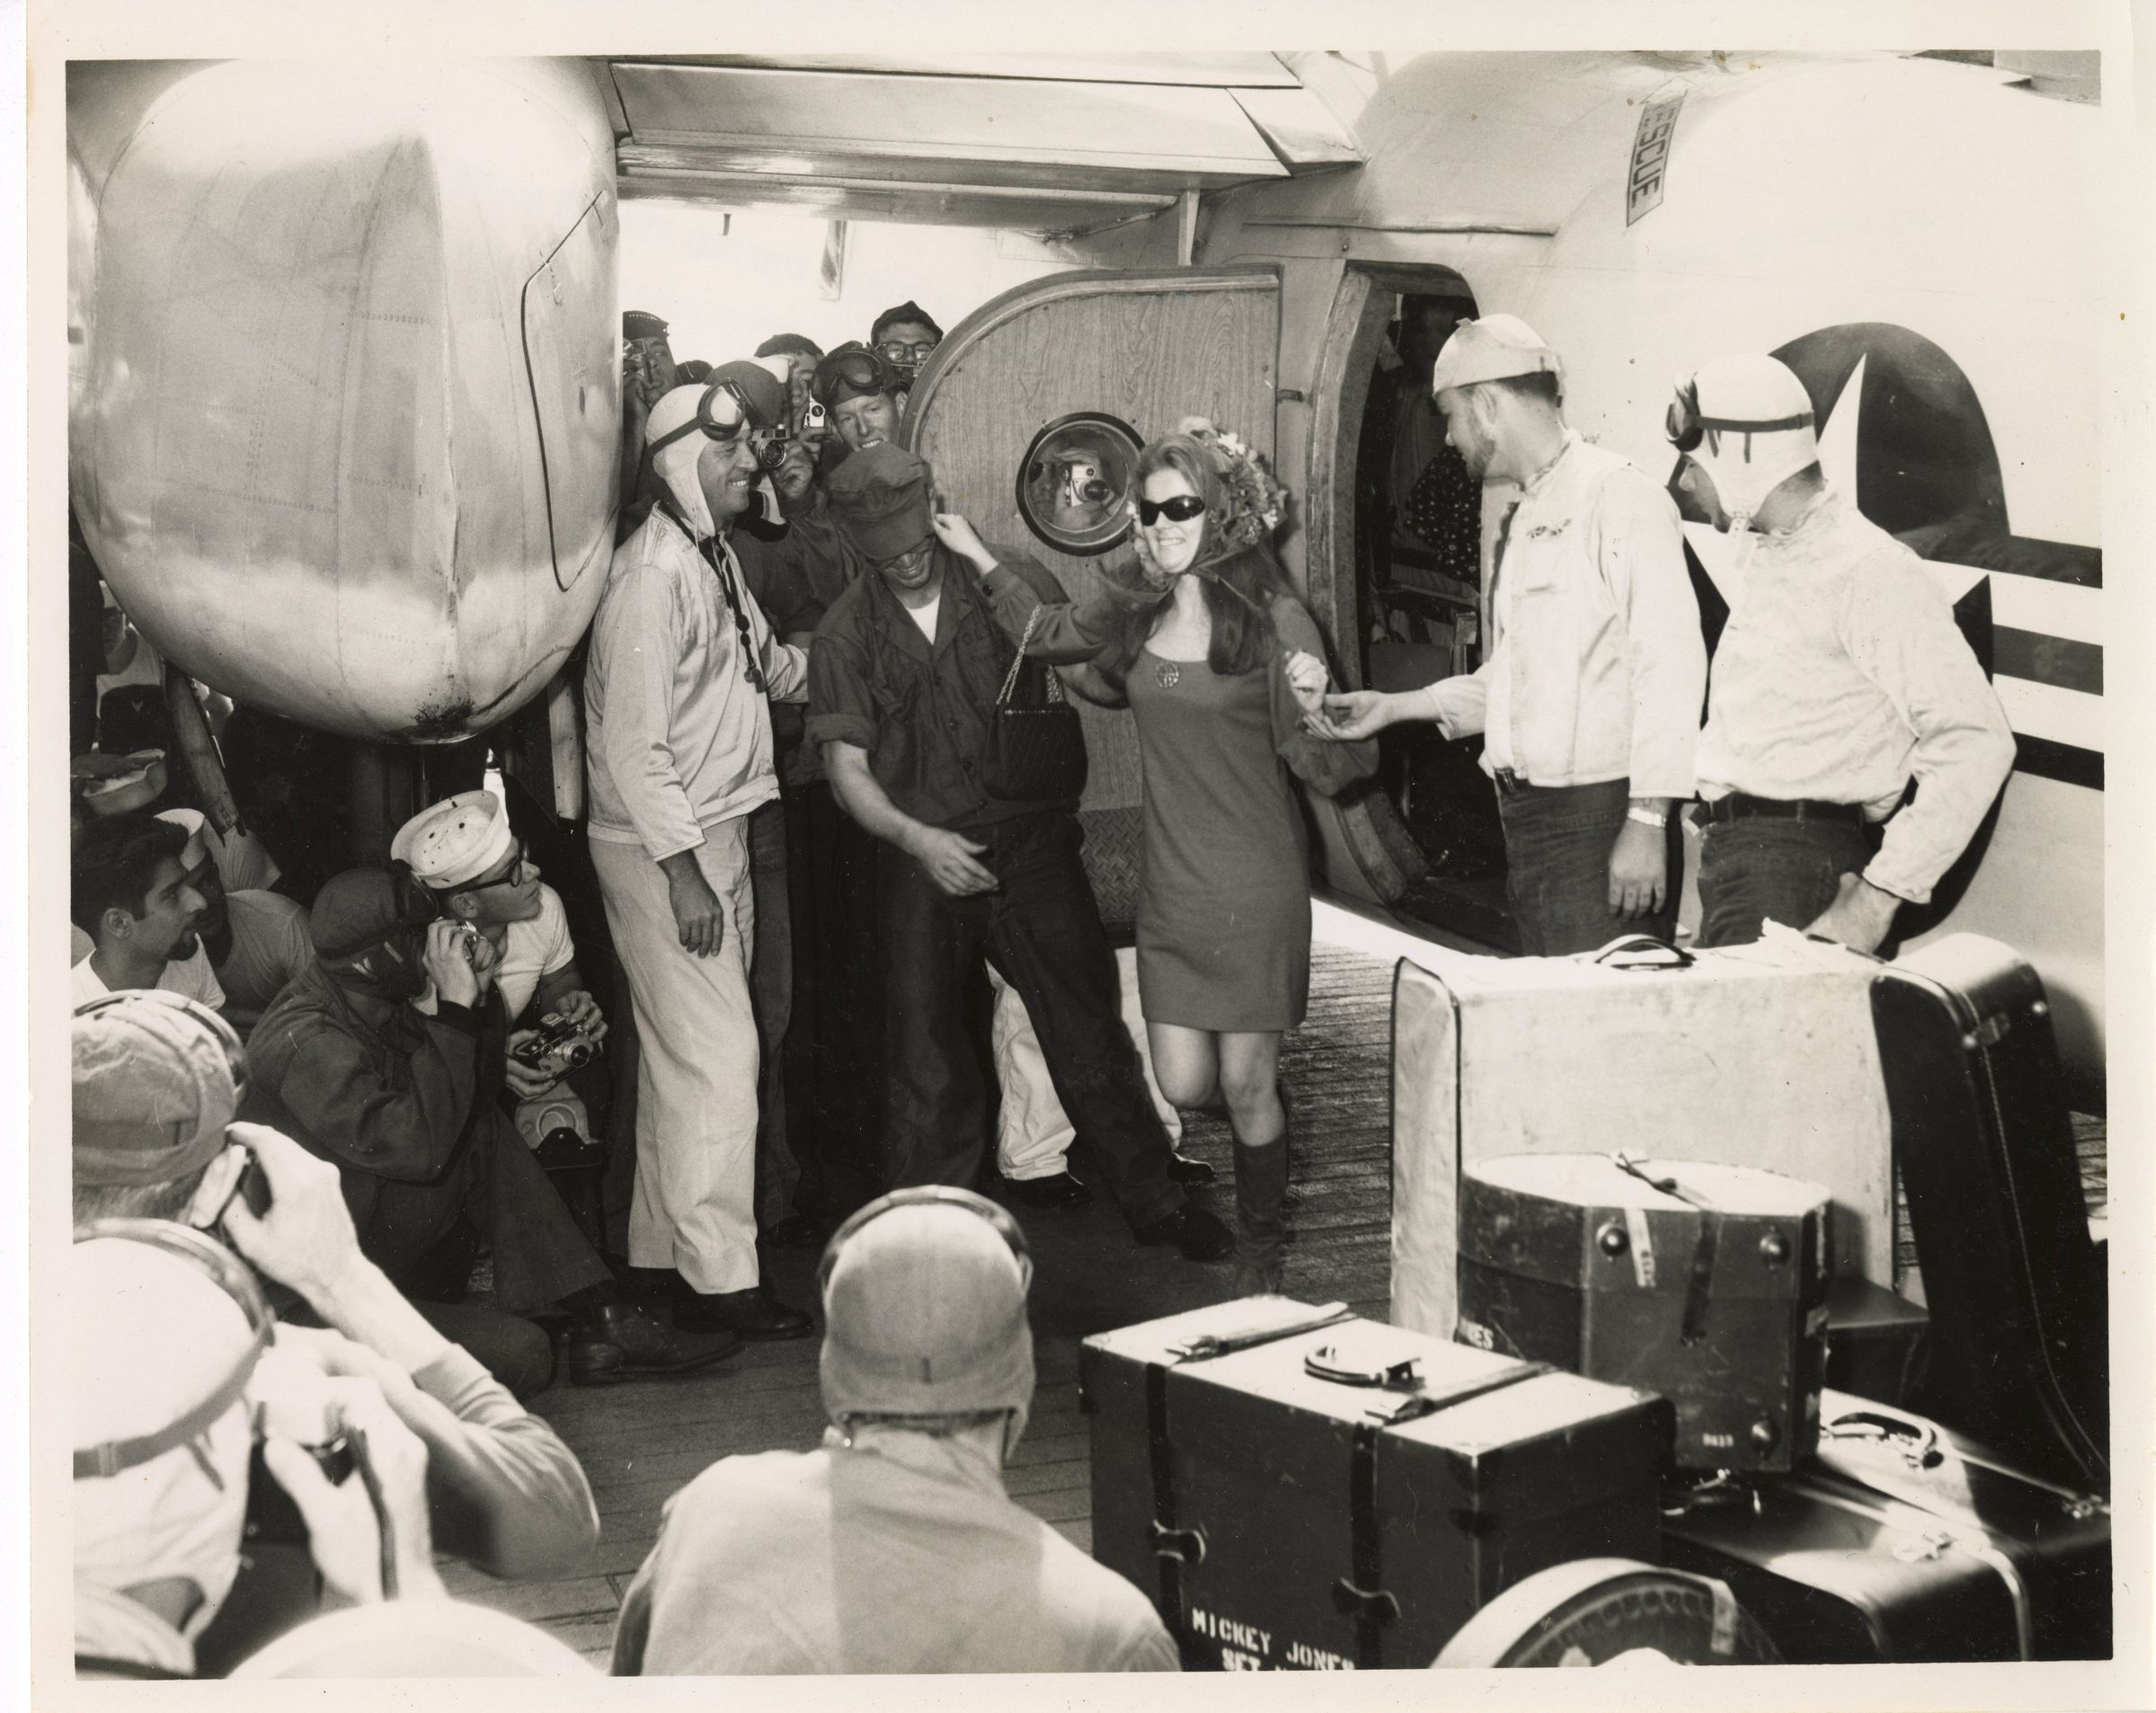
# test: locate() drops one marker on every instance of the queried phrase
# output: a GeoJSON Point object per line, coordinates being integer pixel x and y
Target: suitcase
{"type": "Point", "coordinates": [1903, 1541]}
{"type": "Point", "coordinates": [1300, 1488]}
{"type": "Point", "coordinates": [1754, 1055]}
{"type": "Point", "coordinates": [2012, 1279]}
{"type": "Point", "coordinates": [1705, 1283]}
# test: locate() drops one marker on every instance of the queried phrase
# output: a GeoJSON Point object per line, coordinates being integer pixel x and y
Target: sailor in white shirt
{"type": "Point", "coordinates": [1839, 677]}
{"type": "Point", "coordinates": [130, 895]}
{"type": "Point", "coordinates": [682, 662]}
{"type": "Point", "coordinates": [1589, 699]}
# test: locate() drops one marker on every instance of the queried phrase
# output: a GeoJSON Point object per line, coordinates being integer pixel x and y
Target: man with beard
{"type": "Point", "coordinates": [676, 698]}
{"type": "Point", "coordinates": [255, 940]}
{"type": "Point", "coordinates": [130, 895]}
{"type": "Point", "coordinates": [1589, 696]}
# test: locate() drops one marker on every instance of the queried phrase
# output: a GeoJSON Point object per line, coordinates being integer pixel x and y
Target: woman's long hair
{"type": "Point", "coordinates": [1241, 583]}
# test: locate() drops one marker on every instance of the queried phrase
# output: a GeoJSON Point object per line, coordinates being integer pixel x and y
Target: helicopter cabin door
{"type": "Point", "coordinates": [1030, 415]}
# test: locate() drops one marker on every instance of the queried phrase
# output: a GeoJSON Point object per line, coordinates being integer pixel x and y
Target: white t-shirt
{"type": "Point", "coordinates": [531, 951]}
{"type": "Point", "coordinates": [191, 976]}
{"type": "Point", "coordinates": [925, 617]}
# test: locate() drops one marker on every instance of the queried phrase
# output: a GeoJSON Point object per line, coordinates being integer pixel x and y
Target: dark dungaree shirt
{"type": "Point", "coordinates": [921, 712]}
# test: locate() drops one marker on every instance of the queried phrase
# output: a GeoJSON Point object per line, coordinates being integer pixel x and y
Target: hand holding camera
{"type": "Point", "coordinates": [451, 959]}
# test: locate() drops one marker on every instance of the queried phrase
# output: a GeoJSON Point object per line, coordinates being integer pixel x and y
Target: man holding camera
{"type": "Point", "coordinates": [405, 1104]}
{"type": "Point", "coordinates": [683, 667]}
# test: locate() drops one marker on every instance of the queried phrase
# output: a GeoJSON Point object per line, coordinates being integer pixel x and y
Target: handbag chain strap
{"type": "Point", "coordinates": [1010, 681]}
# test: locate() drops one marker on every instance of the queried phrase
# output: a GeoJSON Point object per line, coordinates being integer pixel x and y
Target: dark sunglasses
{"type": "Point", "coordinates": [1182, 509]}
{"type": "Point", "coordinates": [898, 351]}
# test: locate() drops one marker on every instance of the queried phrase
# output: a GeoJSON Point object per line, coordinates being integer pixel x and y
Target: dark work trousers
{"type": "Point", "coordinates": [1556, 852]}
{"type": "Point", "coordinates": [1041, 930]}
{"type": "Point", "coordinates": [771, 998]}
{"type": "Point", "coordinates": [498, 1191]}
{"type": "Point", "coordinates": [833, 1061]}
{"type": "Point", "coordinates": [1764, 867]}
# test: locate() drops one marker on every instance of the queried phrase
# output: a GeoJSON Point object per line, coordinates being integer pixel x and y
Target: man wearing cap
{"type": "Point", "coordinates": [129, 894]}
{"type": "Point", "coordinates": [1589, 699]}
{"type": "Point", "coordinates": [1839, 679]}
{"type": "Point", "coordinates": [461, 849]}
{"type": "Point", "coordinates": [893, 1547]}
{"type": "Point", "coordinates": [155, 1085]}
{"type": "Point", "coordinates": [256, 941]}
{"type": "Point", "coordinates": [676, 697]}
{"type": "Point", "coordinates": [405, 1104]}
{"type": "Point", "coordinates": [903, 335]}
{"type": "Point", "coordinates": [903, 683]}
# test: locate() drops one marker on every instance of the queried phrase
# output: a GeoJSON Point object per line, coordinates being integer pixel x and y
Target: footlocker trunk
{"type": "Point", "coordinates": [1903, 1541]}
{"type": "Point", "coordinates": [1754, 1055]}
{"type": "Point", "coordinates": [1298, 1488]}
{"type": "Point", "coordinates": [1705, 1283]}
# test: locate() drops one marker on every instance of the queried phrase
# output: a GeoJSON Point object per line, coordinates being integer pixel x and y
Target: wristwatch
{"type": "Point", "coordinates": [1646, 816]}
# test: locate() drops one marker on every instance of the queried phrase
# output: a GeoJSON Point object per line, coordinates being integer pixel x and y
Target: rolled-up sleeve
{"type": "Point", "coordinates": [841, 707]}
{"type": "Point", "coordinates": [1642, 560]}
{"type": "Point", "coordinates": [1900, 632]}
{"type": "Point", "coordinates": [638, 641]}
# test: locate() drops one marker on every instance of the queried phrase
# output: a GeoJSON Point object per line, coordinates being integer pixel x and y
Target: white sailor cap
{"type": "Point", "coordinates": [191, 822]}
{"type": "Point", "coordinates": [456, 841]}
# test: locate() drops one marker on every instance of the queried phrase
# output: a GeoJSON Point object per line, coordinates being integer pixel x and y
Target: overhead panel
{"type": "Point", "coordinates": [912, 204]}
{"type": "Point", "coordinates": [1227, 71]}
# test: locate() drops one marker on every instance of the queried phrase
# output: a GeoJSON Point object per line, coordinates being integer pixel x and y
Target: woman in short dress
{"type": "Point", "coordinates": [1220, 664]}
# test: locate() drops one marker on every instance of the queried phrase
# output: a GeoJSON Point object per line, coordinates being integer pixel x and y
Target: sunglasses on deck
{"type": "Point", "coordinates": [1182, 509]}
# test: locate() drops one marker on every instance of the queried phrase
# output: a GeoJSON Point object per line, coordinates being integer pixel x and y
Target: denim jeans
{"type": "Point", "coordinates": [1041, 930]}
{"type": "Point", "coordinates": [1762, 868]}
{"type": "Point", "coordinates": [1556, 851]}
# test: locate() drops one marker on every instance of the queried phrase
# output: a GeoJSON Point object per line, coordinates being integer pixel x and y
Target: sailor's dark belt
{"type": "Point", "coordinates": [1737, 806]}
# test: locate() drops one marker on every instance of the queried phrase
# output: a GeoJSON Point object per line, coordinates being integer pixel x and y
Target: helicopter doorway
{"type": "Point", "coordinates": [1405, 564]}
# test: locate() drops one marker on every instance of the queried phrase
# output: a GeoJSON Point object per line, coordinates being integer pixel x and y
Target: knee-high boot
{"type": "Point", "coordinates": [1261, 1186]}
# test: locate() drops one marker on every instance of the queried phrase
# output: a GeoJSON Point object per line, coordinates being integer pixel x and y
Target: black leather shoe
{"type": "Point", "coordinates": [1059, 1190]}
{"type": "Point", "coordinates": [798, 1231]}
{"type": "Point", "coordinates": [620, 1340]}
{"type": "Point", "coordinates": [754, 1313]}
{"type": "Point", "coordinates": [1183, 1168]}
{"type": "Point", "coordinates": [1192, 1230]}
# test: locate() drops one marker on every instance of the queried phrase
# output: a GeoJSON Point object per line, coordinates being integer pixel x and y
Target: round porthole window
{"type": "Point", "coordinates": [1075, 481]}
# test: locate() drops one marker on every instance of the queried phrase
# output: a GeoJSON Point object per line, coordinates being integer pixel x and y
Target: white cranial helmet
{"type": "Point", "coordinates": [1747, 421]}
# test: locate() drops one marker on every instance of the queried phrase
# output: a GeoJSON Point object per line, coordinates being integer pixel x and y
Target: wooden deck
{"type": "Point", "coordinates": [641, 1441]}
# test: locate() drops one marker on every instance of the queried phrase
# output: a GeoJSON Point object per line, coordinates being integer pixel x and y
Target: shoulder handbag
{"type": "Point", "coordinates": [1036, 748]}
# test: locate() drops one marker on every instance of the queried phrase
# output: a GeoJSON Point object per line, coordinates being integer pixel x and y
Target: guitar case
{"type": "Point", "coordinates": [2013, 1280]}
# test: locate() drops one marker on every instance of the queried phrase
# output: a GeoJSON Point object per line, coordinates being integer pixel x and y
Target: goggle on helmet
{"type": "Point", "coordinates": [724, 414]}
{"type": "Point", "coordinates": [1688, 430]}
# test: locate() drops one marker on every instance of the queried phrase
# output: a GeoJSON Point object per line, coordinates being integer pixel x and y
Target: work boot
{"type": "Point", "coordinates": [754, 1313]}
{"type": "Point", "coordinates": [1261, 1186]}
{"type": "Point", "coordinates": [618, 1341]}
{"type": "Point", "coordinates": [1192, 1230]}
{"type": "Point", "coordinates": [1057, 1190]}
{"type": "Point", "coordinates": [1183, 1168]}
